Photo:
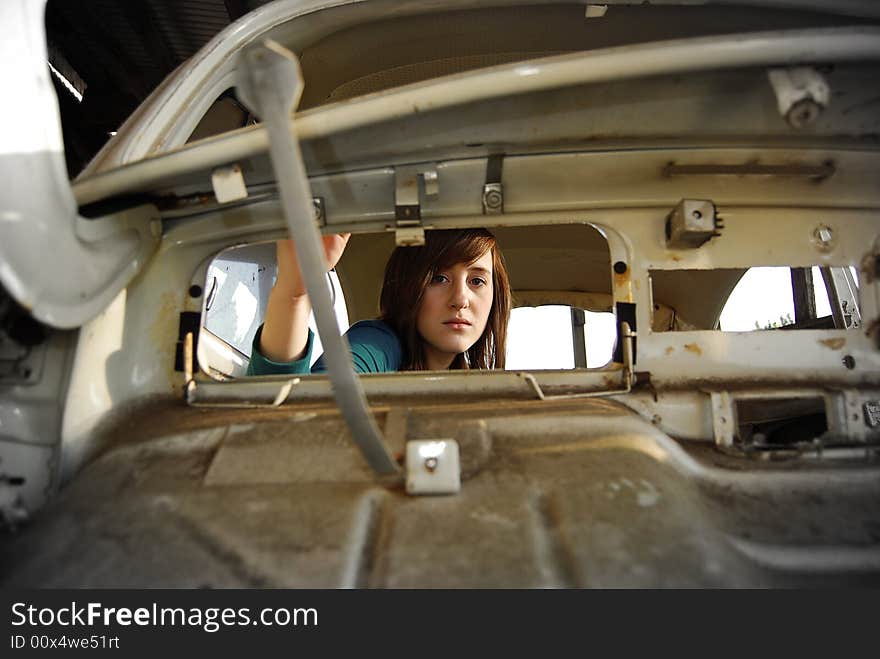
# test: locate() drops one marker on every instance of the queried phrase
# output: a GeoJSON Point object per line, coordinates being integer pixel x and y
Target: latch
{"type": "Point", "coordinates": [407, 207]}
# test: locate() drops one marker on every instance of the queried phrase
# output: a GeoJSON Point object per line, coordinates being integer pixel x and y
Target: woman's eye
{"type": "Point", "coordinates": [478, 281]}
{"type": "Point", "coordinates": [439, 279]}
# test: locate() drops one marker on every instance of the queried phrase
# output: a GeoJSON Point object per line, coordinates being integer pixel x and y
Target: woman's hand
{"type": "Point", "coordinates": [290, 279]}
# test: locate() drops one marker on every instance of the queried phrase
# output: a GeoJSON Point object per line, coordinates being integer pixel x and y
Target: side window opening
{"type": "Point", "coordinates": [795, 298]}
{"type": "Point", "coordinates": [559, 337]}
{"type": "Point", "coordinates": [758, 298]}
{"type": "Point", "coordinates": [237, 289]}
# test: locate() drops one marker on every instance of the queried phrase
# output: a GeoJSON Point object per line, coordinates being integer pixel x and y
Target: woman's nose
{"type": "Point", "coordinates": [459, 298]}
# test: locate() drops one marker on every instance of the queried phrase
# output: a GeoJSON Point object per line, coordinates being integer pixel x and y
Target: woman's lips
{"type": "Point", "coordinates": [457, 324]}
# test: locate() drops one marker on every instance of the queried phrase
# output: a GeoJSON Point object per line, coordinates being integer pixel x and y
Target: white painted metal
{"type": "Point", "coordinates": [62, 268]}
{"type": "Point", "coordinates": [228, 183]}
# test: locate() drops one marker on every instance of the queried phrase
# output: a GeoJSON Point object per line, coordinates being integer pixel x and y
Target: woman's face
{"type": "Point", "coordinates": [454, 310]}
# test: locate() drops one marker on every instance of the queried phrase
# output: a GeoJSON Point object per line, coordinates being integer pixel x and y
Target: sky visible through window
{"type": "Point", "coordinates": [541, 337]}
{"type": "Point", "coordinates": [763, 295]}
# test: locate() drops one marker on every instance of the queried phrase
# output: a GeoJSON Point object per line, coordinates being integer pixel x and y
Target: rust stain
{"type": "Point", "coordinates": [163, 331]}
{"type": "Point", "coordinates": [669, 350]}
{"type": "Point", "coordinates": [694, 348]}
{"type": "Point", "coordinates": [621, 280]}
{"type": "Point", "coordinates": [833, 344]}
{"type": "Point", "coordinates": [636, 284]}
{"type": "Point", "coordinates": [675, 257]}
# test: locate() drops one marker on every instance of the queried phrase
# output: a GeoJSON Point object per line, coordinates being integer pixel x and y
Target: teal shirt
{"type": "Point", "coordinates": [375, 348]}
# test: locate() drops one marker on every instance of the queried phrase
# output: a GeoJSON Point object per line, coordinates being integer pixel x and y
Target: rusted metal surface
{"type": "Point", "coordinates": [559, 494]}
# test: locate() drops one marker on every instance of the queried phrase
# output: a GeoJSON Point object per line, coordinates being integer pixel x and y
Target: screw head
{"type": "Point", "coordinates": [318, 207]}
{"type": "Point", "coordinates": [431, 463]}
{"type": "Point", "coordinates": [823, 237]}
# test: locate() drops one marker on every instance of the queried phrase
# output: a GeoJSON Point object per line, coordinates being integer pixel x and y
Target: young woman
{"type": "Point", "coordinates": [444, 305]}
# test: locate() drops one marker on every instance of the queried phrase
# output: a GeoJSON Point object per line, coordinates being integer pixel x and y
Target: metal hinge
{"type": "Point", "coordinates": [407, 206]}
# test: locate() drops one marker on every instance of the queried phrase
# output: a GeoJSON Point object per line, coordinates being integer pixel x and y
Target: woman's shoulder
{"type": "Point", "coordinates": [375, 347]}
{"type": "Point", "coordinates": [370, 326]}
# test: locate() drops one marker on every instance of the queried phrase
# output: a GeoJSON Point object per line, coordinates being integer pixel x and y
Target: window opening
{"type": "Point", "coordinates": [559, 337]}
{"type": "Point", "coordinates": [759, 298]}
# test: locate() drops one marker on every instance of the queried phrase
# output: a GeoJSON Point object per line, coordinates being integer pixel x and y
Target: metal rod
{"type": "Point", "coordinates": [270, 82]}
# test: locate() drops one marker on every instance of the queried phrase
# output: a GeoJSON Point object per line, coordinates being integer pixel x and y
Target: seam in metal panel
{"type": "Point", "coordinates": [553, 555]}
{"type": "Point", "coordinates": [229, 558]}
{"type": "Point", "coordinates": [364, 548]}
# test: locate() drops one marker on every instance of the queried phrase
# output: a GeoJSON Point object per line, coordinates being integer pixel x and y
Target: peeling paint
{"type": "Point", "coordinates": [833, 344]}
{"type": "Point", "coordinates": [694, 348]}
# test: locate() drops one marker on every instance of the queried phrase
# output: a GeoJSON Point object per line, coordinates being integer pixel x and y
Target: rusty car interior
{"type": "Point", "coordinates": [631, 159]}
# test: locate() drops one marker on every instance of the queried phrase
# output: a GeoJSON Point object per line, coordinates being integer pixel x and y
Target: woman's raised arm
{"type": "Point", "coordinates": [286, 326]}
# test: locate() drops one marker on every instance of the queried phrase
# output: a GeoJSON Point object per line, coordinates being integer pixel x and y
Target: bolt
{"type": "Point", "coordinates": [620, 267]}
{"type": "Point", "coordinates": [431, 463]}
{"type": "Point", "coordinates": [849, 362]}
{"type": "Point", "coordinates": [697, 215]}
{"type": "Point", "coordinates": [492, 199]}
{"type": "Point", "coordinates": [318, 206]}
{"type": "Point", "coordinates": [803, 112]}
{"type": "Point", "coordinates": [823, 236]}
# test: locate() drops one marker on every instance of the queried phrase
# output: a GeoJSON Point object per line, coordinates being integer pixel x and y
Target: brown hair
{"type": "Point", "coordinates": [411, 269]}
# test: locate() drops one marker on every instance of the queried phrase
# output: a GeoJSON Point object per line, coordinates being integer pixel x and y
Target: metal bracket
{"type": "Point", "coordinates": [270, 83]}
{"type": "Point", "coordinates": [407, 206]}
{"type": "Point", "coordinates": [228, 184]}
{"type": "Point", "coordinates": [433, 466]}
{"type": "Point", "coordinates": [858, 415]}
{"type": "Point", "coordinates": [801, 94]}
{"type": "Point", "coordinates": [692, 223]}
{"type": "Point", "coordinates": [493, 191]}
